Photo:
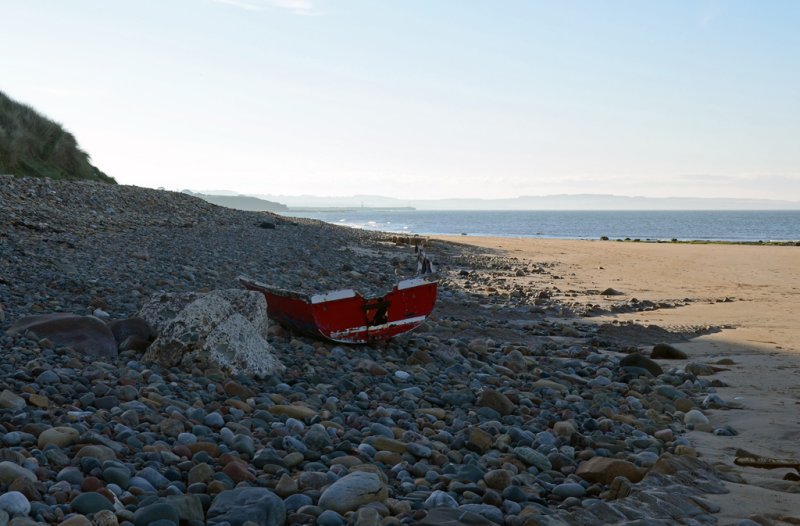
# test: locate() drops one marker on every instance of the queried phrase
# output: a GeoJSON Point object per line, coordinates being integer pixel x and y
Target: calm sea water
{"type": "Point", "coordinates": [716, 225]}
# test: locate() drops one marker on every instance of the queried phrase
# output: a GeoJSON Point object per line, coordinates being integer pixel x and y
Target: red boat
{"type": "Point", "coordinates": [348, 317]}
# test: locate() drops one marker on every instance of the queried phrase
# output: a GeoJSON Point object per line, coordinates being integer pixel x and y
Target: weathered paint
{"type": "Point", "coordinates": [347, 317]}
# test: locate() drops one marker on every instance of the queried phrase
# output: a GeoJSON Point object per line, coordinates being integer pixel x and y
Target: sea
{"type": "Point", "coordinates": [682, 225]}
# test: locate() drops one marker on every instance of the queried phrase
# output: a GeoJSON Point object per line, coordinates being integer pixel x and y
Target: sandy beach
{"type": "Point", "coordinates": [752, 295]}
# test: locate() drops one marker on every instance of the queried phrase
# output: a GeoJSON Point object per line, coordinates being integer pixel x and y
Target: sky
{"type": "Point", "coordinates": [420, 98]}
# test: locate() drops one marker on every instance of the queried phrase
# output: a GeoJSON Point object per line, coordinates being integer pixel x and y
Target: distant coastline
{"type": "Point", "coordinates": [348, 209]}
{"type": "Point", "coordinates": [522, 203]}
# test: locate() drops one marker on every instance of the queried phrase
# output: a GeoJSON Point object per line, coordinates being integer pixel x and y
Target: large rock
{"type": "Point", "coordinates": [239, 505]}
{"type": "Point", "coordinates": [223, 328]}
{"type": "Point", "coordinates": [605, 470]}
{"type": "Point", "coordinates": [85, 334]}
{"type": "Point", "coordinates": [352, 491]}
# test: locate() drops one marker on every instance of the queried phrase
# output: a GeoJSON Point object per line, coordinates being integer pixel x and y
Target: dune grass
{"type": "Point", "coordinates": [34, 146]}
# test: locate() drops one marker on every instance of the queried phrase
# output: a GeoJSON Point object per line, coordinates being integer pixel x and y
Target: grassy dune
{"type": "Point", "coordinates": [35, 146]}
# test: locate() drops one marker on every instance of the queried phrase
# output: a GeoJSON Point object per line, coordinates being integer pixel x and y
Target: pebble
{"type": "Point", "coordinates": [695, 417]}
{"type": "Point", "coordinates": [9, 472]}
{"type": "Point", "coordinates": [352, 491]}
{"type": "Point", "coordinates": [569, 489]}
{"type": "Point", "coordinates": [14, 503]}
{"type": "Point", "coordinates": [90, 502]}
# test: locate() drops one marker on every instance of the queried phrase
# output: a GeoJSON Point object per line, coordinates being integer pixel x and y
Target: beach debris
{"type": "Point", "coordinates": [751, 460]}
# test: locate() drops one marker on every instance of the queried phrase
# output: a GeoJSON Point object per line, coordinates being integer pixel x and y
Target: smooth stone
{"type": "Point", "coordinates": [352, 491]}
{"type": "Point", "coordinates": [498, 479]}
{"type": "Point", "coordinates": [294, 411]}
{"type": "Point", "coordinates": [200, 473]}
{"type": "Point", "coordinates": [101, 453]}
{"type": "Point", "coordinates": [569, 489]}
{"type": "Point", "coordinates": [243, 504]}
{"type": "Point", "coordinates": [70, 474]}
{"type": "Point", "coordinates": [91, 502]}
{"type": "Point", "coordinates": [479, 440]}
{"type": "Point", "coordinates": [297, 501]}
{"type": "Point", "coordinates": [533, 458]}
{"type": "Point", "coordinates": [665, 435]}
{"type": "Point", "coordinates": [548, 384]}
{"type": "Point", "coordinates": [286, 486]}
{"type": "Point", "coordinates": [670, 392]}
{"type": "Point", "coordinates": [440, 499]}
{"type": "Point", "coordinates": [496, 401]}
{"type": "Point", "coordinates": [214, 420]}
{"type": "Point", "coordinates": [142, 484]}
{"type": "Point", "coordinates": [58, 436]}
{"type": "Point", "coordinates": [699, 369]}
{"type": "Point", "coordinates": [105, 518]}
{"type": "Point", "coordinates": [117, 475]}
{"type": "Point", "coordinates": [47, 377]}
{"type": "Point", "coordinates": [155, 478]}
{"type": "Point", "coordinates": [604, 470]}
{"type": "Point", "coordinates": [330, 518]}
{"type": "Point", "coordinates": [9, 472]}
{"type": "Point", "coordinates": [76, 520]}
{"type": "Point", "coordinates": [156, 512]}
{"type": "Point", "coordinates": [695, 417]}
{"type": "Point", "coordinates": [13, 401]}
{"type": "Point", "coordinates": [317, 437]}
{"type": "Point", "coordinates": [382, 443]}
{"type": "Point", "coordinates": [367, 516]}
{"type": "Point", "coordinates": [491, 513]}
{"type": "Point", "coordinates": [15, 503]}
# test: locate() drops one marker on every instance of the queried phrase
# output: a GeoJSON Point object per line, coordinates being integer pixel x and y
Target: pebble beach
{"type": "Point", "coordinates": [504, 408]}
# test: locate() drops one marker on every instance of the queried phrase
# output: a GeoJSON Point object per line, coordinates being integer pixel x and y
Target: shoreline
{"type": "Point", "coordinates": [720, 226]}
{"type": "Point", "coordinates": [752, 293]}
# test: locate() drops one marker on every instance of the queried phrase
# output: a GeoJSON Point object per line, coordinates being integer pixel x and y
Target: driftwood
{"type": "Point", "coordinates": [744, 458]}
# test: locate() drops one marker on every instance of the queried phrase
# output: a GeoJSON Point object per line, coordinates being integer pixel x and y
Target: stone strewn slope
{"type": "Point", "coordinates": [33, 145]}
{"type": "Point", "coordinates": [74, 246]}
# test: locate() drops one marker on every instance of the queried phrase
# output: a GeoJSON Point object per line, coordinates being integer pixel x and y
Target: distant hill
{"type": "Point", "coordinates": [241, 202]}
{"type": "Point", "coordinates": [33, 145]}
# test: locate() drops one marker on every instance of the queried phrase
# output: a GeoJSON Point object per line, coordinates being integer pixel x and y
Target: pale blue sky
{"type": "Point", "coordinates": [420, 98]}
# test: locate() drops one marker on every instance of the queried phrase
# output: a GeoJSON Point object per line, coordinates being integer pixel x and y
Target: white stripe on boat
{"type": "Point", "coordinates": [373, 328]}
{"type": "Point", "coordinates": [333, 295]}
{"type": "Point", "coordinates": [411, 283]}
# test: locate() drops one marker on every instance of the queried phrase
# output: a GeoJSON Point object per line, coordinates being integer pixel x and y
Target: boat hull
{"type": "Point", "coordinates": [346, 316]}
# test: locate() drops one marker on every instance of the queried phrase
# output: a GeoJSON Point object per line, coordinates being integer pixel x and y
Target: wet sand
{"type": "Point", "coordinates": [753, 294]}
